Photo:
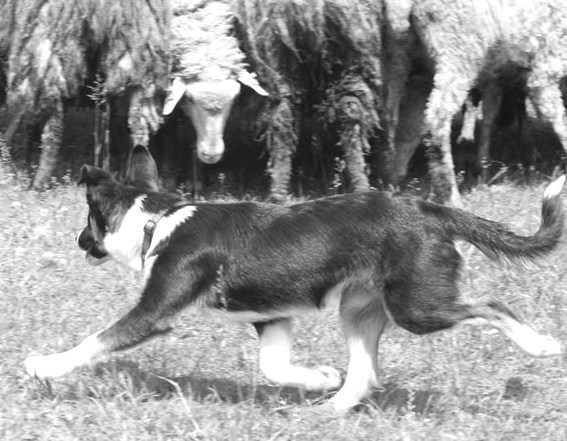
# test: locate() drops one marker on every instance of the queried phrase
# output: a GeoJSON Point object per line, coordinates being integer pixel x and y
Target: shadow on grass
{"type": "Point", "coordinates": [392, 397]}
{"type": "Point", "coordinates": [123, 376]}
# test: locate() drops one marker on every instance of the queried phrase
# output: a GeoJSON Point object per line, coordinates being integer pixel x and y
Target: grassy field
{"type": "Point", "coordinates": [202, 381]}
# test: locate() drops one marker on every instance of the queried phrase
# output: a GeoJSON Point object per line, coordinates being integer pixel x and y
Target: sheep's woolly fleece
{"type": "Point", "coordinates": [133, 35]}
{"type": "Point", "coordinates": [46, 60]}
{"type": "Point", "coordinates": [50, 41]}
{"type": "Point", "coordinates": [202, 43]}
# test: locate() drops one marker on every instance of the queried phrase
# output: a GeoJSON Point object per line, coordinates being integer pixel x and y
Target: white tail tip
{"type": "Point", "coordinates": [554, 189]}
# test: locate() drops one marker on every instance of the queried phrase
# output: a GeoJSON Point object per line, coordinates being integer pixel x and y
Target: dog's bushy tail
{"type": "Point", "coordinates": [498, 242]}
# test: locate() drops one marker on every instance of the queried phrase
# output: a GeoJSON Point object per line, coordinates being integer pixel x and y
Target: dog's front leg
{"type": "Point", "coordinates": [167, 291]}
{"type": "Point", "coordinates": [275, 360]}
{"type": "Point", "coordinates": [135, 327]}
{"type": "Point", "coordinates": [57, 365]}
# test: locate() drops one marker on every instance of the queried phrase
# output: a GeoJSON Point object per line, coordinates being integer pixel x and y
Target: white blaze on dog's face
{"type": "Point", "coordinates": [116, 220]}
{"type": "Point", "coordinates": [124, 242]}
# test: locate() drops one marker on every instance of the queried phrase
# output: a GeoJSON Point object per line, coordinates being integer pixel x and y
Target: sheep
{"type": "Point", "coordinates": [44, 67]}
{"type": "Point", "coordinates": [320, 63]}
{"type": "Point", "coordinates": [128, 43]}
{"type": "Point", "coordinates": [134, 40]}
{"type": "Point", "coordinates": [208, 70]}
{"type": "Point", "coordinates": [51, 50]}
{"type": "Point", "coordinates": [467, 40]}
{"type": "Point", "coordinates": [503, 103]}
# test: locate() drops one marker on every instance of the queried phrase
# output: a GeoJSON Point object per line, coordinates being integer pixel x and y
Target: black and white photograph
{"type": "Point", "coordinates": [283, 220]}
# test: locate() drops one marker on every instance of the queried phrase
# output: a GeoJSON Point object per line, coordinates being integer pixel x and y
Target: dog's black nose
{"type": "Point", "coordinates": [85, 239]}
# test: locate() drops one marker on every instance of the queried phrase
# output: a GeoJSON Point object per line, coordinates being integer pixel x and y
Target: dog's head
{"type": "Point", "coordinates": [109, 200]}
{"type": "Point", "coordinates": [91, 238]}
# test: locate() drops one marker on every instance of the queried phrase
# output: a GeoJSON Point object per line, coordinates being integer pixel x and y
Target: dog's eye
{"type": "Point", "coordinates": [97, 221]}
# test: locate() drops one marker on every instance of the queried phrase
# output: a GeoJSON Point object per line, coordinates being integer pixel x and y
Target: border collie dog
{"type": "Point", "coordinates": [383, 259]}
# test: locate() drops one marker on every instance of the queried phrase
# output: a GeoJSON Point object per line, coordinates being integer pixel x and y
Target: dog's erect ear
{"type": "Point", "coordinates": [91, 175]}
{"type": "Point", "coordinates": [142, 170]}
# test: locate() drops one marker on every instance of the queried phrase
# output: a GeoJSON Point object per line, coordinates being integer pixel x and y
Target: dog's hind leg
{"type": "Point", "coordinates": [496, 314]}
{"type": "Point", "coordinates": [428, 300]}
{"type": "Point", "coordinates": [275, 360]}
{"type": "Point", "coordinates": [363, 318]}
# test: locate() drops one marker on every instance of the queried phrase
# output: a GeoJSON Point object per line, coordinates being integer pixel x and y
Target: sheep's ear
{"type": "Point", "coordinates": [174, 94]}
{"type": "Point", "coordinates": [91, 175]}
{"type": "Point", "coordinates": [249, 79]}
{"type": "Point", "coordinates": [142, 170]}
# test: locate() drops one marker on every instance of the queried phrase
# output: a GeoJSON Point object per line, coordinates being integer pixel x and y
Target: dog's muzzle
{"type": "Point", "coordinates": [95, 254]}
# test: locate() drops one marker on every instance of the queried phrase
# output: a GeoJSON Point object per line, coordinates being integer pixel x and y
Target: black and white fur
{"type": "Point", "coordinates": [384, 259]}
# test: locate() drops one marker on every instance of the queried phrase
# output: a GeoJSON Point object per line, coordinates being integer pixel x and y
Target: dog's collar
{"type": "Point", "coordinates": [151, 225]}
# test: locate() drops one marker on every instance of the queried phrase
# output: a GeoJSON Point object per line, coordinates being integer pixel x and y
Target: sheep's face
{"type": "Point", "coordinates": [208, 105]}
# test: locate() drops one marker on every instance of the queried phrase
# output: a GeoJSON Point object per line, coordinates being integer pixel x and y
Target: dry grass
{"type": "Point", "coordinates": [202, 382]}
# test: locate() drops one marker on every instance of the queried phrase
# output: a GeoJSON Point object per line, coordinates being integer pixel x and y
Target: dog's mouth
{"type": "Point", "coordinates": [96, 256]}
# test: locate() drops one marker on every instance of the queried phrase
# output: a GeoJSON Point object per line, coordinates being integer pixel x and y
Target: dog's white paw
{"type": "Point", "coordinates": [312, 379]}
{"type": "Point", "coordinates": [546, 346]}
{"type": "Point", "coordinates": [342, 404]}
{"type": "Point", "coordinates": [533, 343]}
{"type": "Point", "coordinates": [320, 378]}
{"type": "Point", "coordinates": [331, 378]}
{"type": "Point", "coordinates": [46, 366]}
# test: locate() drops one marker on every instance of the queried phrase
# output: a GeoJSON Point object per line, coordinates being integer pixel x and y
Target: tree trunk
{"type": "Point", "coordinates": [4, 150]}
{"type": "Point", "coordinates": [96, 134]}
{"type": "Point", "coordinates": [106, 137]}
{"type": "Point", "coordinates": [491, 103]}
{"type": "Point", "coordinates": [280, 169]}
{"type": "Point", "coordinates": [353, 142]}
{"type": "Point", "coordinates": [5, 156]}
{"type": "Point", "coordinates": [282, 144]}
{"type": "Point", "coordinates": [50, 144]}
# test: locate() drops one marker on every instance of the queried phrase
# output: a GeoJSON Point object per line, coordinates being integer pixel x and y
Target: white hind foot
{"type": "Point", "coordinates": [537, 345]}
{"type": "Point", "coordinates": [548, 347]}
{"type": "Point", "coordinates": [528, 340]}
{"type": "Point", "coordinates": [554, 189]}
{"type": "Point", "coordinates": [361, 376]}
